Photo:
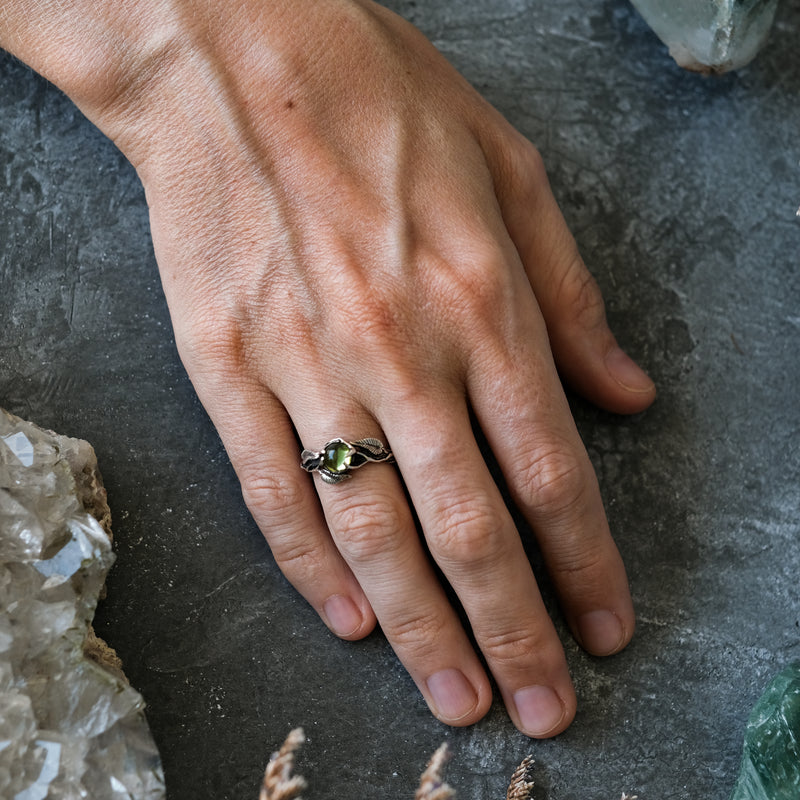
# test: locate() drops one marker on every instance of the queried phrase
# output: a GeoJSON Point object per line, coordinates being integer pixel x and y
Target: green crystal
{"type": "Point", "coordinates": [337, 456]}
{"type": "Point", "coordinates": [771, 760]}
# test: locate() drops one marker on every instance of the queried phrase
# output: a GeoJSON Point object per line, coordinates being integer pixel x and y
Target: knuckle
{"type": "Point", "coordinates": [275, 499]}
{"type": "Point", "coordinates": [470, 532]}
{"type": "Point", "coordinates": [214, 331]}
{"type": "Point", "coordinates": [474, 285]}
{"type": "Point", "coordinates": [298, 557]}
{"type": "Point", "coordinates": [579, 559]}
{"type": "Point", "coordinates": [372, 321]}
{"type": "Point", "coordinates": [580, 294]}
{"type": "Point", "coordinates": [364, 313]}
{"type": "Point", "coordinates": [524, 168]}
{"type": "Point", "coordinates": [531, 167]}
{"type": "Point", "coordinates": [407, 384]}
{"type": "Point", "coordinates": [510, 647]}
{"type": "Point", "coordinates": [481, 298]}
{"type": "Point", "coordinates": [415, 634]}
{"type": "Point", "coordinates": [215, 351]}
{"type": "Point", "coordinates": [482, 288]}
{"type": "Point", "coordinates": [555, 482]}
{"type": "Point", "coordinates": [365, 531]}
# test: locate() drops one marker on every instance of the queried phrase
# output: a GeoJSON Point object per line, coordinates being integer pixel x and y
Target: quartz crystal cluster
{"type": "Point", "coordinates": [70, 725]}
{"type": "Point", "coordinates": [710, 35]}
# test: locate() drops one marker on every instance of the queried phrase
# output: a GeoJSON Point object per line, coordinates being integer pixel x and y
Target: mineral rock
{"type": "Point", "coordinates": [710, 35]}
{"type": "Point", "coordinates": [771, 759]}
{"type": "Point", "coordinates": [70, 725]}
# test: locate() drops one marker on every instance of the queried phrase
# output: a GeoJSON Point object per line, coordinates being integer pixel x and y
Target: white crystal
{"type": "Point", "coordinates": [19, 444]}
{"type": "Point", "coordinates": [48, 773]}
{"type": "Point", "coordinates": [710, 35]}
{"type": "Point", "coordinates": [69, 727]}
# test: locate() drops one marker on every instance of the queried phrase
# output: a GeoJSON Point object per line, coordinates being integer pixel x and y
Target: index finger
{"type": "Point", "coordinates": [517, 397]}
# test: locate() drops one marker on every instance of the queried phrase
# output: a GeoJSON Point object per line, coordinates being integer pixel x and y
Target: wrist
{"type": "Point", "coordinates": [88, 49]}
{"type": "Point", "coordinates": [140, 70]}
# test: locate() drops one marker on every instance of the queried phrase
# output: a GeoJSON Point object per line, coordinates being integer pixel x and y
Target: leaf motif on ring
{"type": "Point", "coordinates": [310, 461]}
{"type": "Point", "coordinates": [373, 450]}
{"type": "Point", "coordinates": [333, 477]}
{"type": "Point", "coordinates": [338, 458]}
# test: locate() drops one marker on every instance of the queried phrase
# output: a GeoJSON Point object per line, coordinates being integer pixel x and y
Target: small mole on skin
{"type": "Point", "coordinates": [290, 103]}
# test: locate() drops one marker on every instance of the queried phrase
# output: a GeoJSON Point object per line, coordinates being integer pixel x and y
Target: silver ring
{"type": "Point", "coordinates": [338, 457]}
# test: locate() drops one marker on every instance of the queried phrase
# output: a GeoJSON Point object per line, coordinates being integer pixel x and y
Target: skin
{"type": "Point", "coordinates": [353, 243]}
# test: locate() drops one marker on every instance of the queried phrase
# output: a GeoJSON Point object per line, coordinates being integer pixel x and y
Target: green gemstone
{"type": "Point", "coordinates": [337, 456]}
{"type": "Point", "coordinates": [771, 759]}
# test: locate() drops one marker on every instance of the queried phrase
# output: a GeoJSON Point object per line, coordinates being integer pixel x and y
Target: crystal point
{"type": "Point", "coordinates": [70, 725]}
{"type": "Point", "coordinates": [710, 35]}
{"type": "Point", "coordinates": [771, 759]}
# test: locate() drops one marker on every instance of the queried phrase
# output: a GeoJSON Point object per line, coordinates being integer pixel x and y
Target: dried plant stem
{"type": "Point", "coordinates": [431, 785]}
{"type": "Point", "coordinates": [520, 787]}
{"type": "Point", "coordinates": [279, 783]}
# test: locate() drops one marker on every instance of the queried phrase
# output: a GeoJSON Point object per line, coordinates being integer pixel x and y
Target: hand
{"type": "Point", "coordinates": [353, 243]}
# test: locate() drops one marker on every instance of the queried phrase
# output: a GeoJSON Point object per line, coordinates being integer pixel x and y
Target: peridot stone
{"type": "Point", "coordinates": [771, 760]}
{"type": "Point", "coordinates": [337, 456]}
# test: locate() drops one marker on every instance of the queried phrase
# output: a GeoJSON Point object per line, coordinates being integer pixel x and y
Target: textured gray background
{"type": "Point", "coordinates": [682, 192]}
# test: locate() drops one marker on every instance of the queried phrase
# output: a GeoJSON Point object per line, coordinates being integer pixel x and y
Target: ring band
{"type": "Point", "coordinates": [338, 457]}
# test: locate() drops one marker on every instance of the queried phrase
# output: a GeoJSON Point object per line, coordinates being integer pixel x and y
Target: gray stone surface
{"type": "Point", "coordinates": [682, 192]}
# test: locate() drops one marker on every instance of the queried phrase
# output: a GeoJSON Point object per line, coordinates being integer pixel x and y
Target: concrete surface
{"type": "Point", "coordinates": [682, 192]}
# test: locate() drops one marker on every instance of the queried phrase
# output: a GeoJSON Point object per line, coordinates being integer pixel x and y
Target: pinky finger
{"type": "Point", "coordinates": [261, 444]}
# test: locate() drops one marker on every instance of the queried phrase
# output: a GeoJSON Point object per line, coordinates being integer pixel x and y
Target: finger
{"type": "Point", "coordinates": [584, 347]}
{"type": "Point", "coordinates": [527, 422]}
{"type": "Point", "coordinates": [263, 449]}
{"type": "Point", "coordinates": [372, 525]}
{"type": "Point", "coordinates": [473, 540]}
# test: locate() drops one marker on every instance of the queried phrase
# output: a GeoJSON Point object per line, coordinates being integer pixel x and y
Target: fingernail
{"type": "Point", "coordinates": [453, 695]}
{"type": "Point", "coordinates": [342, 614]}
{"type": "Point", "coordinates": [601, 632]}
{"type": "Point", "coordinates": [626, 372]}
{"type": "Point", "coordinates": [540, 711]}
